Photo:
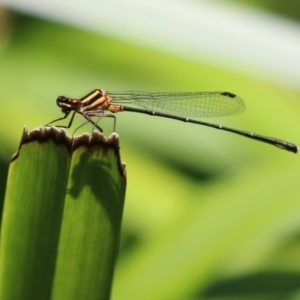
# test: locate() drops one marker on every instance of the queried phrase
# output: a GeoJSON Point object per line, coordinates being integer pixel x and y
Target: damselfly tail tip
{"type": "Point", "coordinates": [286, 146]}
{"type": "Point", "coordinates": [293, 148]}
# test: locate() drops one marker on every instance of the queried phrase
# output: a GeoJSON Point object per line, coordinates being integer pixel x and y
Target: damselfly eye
{"type": "Point", "coordinates": [61, 100]}
{"type": "Point", "coordinates": [64, 103]}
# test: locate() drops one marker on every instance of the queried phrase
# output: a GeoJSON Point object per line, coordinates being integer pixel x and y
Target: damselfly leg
{"type": "Point", "coordinates": [102, 115]}
{"type": "Point", "coordinates": [87, 117]}
{"type": "Point", "coordinates": [99, 116]}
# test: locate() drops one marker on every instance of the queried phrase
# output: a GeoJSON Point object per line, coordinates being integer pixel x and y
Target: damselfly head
{"type": "Point", "coordinates": [63, 102]}
{"type": "Point", "coordinates": [67, 104]}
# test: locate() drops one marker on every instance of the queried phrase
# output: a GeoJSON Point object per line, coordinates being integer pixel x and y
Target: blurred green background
{"type": "Point", "coordinates": [208, 214]}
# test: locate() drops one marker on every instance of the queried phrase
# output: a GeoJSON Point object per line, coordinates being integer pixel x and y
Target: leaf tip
{"type": "Point", "coordinates": [43, 134]}
{"type": "Point", "coordinates": [97, 141]}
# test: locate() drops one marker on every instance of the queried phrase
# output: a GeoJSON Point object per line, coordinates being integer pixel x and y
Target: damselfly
{"type": "Point", "coordinates": [167, 105]}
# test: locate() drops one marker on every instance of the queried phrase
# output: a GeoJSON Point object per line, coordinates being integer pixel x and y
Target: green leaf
{"type": "Point", "coordinates": [91, 223]}
{"type": "Point", "coordinates": [62, 217]}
